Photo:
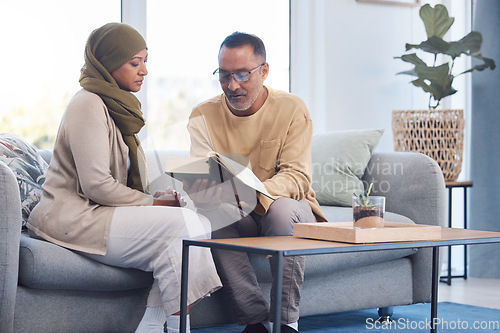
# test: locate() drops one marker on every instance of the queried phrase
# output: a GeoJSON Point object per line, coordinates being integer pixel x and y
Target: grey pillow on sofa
{"type": "Point", "coordinates": [339, 160]}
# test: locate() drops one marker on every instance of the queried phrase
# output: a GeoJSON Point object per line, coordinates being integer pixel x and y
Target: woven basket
{"type": "Point", "coordinates": [436, 133]}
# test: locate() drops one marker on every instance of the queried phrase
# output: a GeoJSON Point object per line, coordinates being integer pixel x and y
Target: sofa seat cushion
{"type": "Point", "coordinates": [43, 265]}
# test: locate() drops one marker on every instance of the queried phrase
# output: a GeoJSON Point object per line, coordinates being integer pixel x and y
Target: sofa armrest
{"type": "Point", "coordinates": [413, 185]}
{"type": "Point", "coordinates": [10, 232]}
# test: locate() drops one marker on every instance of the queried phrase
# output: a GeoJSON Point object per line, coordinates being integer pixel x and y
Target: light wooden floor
{"type": "Point", "coordinates": [473, 291]}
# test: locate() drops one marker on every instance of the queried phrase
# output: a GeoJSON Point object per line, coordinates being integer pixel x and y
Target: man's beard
{"type": "Point", "coordinates": [247, 105]}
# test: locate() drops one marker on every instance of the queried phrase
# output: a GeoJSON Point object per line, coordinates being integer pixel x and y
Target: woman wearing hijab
{"type": "Point", "coordinates": [95, 198]}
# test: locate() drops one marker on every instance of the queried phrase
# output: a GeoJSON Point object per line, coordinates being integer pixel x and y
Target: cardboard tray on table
{"type": "Point", "coordinates": [345, 232]}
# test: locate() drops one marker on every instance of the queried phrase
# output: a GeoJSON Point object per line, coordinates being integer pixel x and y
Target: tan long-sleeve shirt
{"type": "Point", "coordinates": [86, 179]}
{"type": "Point", "coordinates": [276, 139]}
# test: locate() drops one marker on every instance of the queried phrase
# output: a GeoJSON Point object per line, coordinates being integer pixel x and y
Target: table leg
{"type": "Point", "coordinates": [450, 200]}
{"type": "Point", "coordinates": [278, 290]}
{"type": "Point", "coordinates": [434, 290]}
{"type": "Point", "coordinates": [184, 287]}
{"type": "Point", "coordinates": [465, 227]}
{"type": "Point", "coordinates": [448, 277]}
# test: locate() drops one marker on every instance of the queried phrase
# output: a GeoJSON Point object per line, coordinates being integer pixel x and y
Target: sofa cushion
{"type": "Point", "coordinates": [339, 160]}
{"type": "Point", "coordinates": [43, 265]}
{"type": "Point", "coordinates": [28, 167]}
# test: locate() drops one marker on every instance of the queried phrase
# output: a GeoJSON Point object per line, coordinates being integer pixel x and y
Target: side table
{"type": "Point", "coordinates": [450, 185]}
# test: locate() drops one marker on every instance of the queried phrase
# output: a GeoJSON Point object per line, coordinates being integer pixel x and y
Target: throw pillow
{"type": "Point", "coordinates": [339, 160]}
{"type": "Point", "coordinates": [28, 167]}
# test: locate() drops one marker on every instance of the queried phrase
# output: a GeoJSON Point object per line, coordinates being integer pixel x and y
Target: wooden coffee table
{"type": "Point", "coordinates": [284, 246]}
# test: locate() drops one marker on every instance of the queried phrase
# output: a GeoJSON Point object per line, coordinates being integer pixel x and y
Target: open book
{"type": "Point", "coordinates": [215, 166]}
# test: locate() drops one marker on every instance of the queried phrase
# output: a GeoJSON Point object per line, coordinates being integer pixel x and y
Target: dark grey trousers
{"type": "Point", "coordinates": [236, 272]}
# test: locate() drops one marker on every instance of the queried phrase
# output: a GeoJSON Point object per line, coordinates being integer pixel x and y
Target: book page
{"type": "Point", "coordinates": [244, 174]}
{"type": "Point", "coordinates": [191, 168]}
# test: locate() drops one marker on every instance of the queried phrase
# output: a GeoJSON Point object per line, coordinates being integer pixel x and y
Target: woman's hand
{"type": "Point", "coordinates": [168, 198]}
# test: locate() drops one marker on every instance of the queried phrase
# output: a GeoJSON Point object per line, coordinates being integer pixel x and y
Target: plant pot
{"type": "Point", "coordinates": [371, 216]}
{"type": "Point", "coordinates": [438, 134]}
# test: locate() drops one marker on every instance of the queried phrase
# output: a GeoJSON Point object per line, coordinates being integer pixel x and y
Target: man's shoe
{"type": "Point", "coordinates": [288, 329]}
{"type": "Point", "coordinates": [255, 328]}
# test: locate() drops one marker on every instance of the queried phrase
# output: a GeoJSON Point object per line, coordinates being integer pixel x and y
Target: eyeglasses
{"type": "Point", "coordinates": [241, 76]}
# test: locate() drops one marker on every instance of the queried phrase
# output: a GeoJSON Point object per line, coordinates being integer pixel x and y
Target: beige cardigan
{"type": "Point", "coordinates": [276, 139]}
{"type": "Point", "coordinates": [86, 179]}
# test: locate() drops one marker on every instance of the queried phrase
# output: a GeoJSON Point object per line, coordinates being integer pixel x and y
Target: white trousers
{"type": "Point", "coordinates": [149, 238]}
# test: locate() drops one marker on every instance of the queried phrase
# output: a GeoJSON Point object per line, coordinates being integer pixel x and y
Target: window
{"type": "Point", "coordinates": [43, 46]}
{"type": "Point", "coordinates": [183, 42]}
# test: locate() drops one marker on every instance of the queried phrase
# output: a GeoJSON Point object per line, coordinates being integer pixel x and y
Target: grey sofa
{"type": "Point", "coordinates": [46, 288]}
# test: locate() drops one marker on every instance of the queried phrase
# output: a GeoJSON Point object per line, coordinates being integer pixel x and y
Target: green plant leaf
{"type": "Point", "coordinates": [362, 199]}
{"type": "Point", "coordinates": [487, 63]}
{"type": "Point", "coordinates": [437, 75]}
{"type": "Point", "coordinates": [437, 80]}
{"type": "Point", "coordinates": [438, 92]}
{"type": "Point", "coordinates": [410, 72]}
{"type": "Point", "coordinates": [467, 45]}
{"type": "Point", "coordinates": [412, 58]}
{"type": "Point", "coordinates": [369, 189]}
{"type": "Point", "coordinates": [436, 20]}
{"type": "Point", "coordinates": [433, 45]}
{"type": "Point", "coordinates": [434, 80]}
{"type": "Point", "coordinates": [427, 88]}
{"type": "Point", "coordinates": [445, 90]}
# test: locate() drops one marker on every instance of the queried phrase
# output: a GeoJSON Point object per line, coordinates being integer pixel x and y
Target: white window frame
{"type": "Point", "coordinates": [133, 12]}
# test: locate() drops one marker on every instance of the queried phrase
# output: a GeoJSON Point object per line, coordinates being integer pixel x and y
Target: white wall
{"type": "Point", "coordinates": [343, 64]}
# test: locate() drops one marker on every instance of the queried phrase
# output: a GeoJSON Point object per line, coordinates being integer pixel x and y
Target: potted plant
{"type": "Point", "coordinates": [368, 211]}
{"type": "Point", "coordinates": [437, 133]}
